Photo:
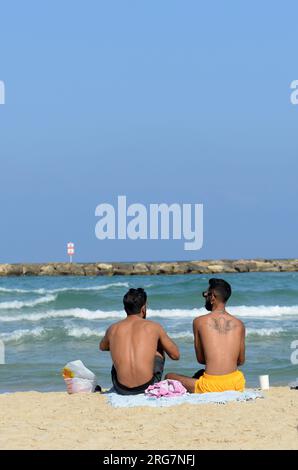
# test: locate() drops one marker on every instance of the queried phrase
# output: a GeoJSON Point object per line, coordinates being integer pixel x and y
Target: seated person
{"type": "Point", "coordinates": [137, 347]}
{"type": "Point", "coordinates": [219, 340]}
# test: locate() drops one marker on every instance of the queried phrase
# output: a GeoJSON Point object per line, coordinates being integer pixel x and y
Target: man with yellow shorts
{"type": "Point", "coordinates": [220, 383]}
{"type": "Point", "coordinates": [219, 340]}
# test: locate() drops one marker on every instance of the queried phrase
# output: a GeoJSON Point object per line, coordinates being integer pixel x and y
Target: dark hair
{"type": "Point", "coordinates": [134, 300]}
{"type": "Point", "coordinates": [221, 288]}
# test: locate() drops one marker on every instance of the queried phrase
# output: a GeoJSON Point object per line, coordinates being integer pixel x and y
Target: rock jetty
{"type": "Point", "coordinates": [150, 268]}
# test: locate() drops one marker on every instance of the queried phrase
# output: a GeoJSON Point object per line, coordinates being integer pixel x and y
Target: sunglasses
{"type": "Point", "coordinates": [207, 293]}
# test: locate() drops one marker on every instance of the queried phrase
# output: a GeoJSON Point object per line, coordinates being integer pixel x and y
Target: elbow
{"type": "Point", "coordinates": [175, 356]}
{"type": "Point", "coordinates": [201, 359]}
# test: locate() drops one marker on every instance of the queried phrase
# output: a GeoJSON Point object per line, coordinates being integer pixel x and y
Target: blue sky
{"type": "Point", "coordinates": [168, 101]}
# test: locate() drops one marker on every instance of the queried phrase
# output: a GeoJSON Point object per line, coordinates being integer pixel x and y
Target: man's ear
{"type": "Point", "coordinates": [143, 310]}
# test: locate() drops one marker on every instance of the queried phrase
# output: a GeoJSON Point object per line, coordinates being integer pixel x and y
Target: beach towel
{"type": "Point", "coordinates": [129, 401]}
{"type": "Point", "coordinates": [166, 388]}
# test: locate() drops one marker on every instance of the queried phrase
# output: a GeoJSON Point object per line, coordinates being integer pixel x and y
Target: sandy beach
{"type": "Point", "coordinates": [33, 420]}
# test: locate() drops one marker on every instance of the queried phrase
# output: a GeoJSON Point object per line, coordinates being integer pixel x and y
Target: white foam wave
{"type": "Point", "coordinates": [182, 335]}
{"type": "Point", "coordinates": [18, 304]}
{"type": "Point", "coordinates": [85, 332]}
{"type": "Point", "coordinates": [50, 333]}
{"type": "Point", "coordinates": [80, 313]}
{"type": "Point", "coordinates": [259, 311]}
{"type": "Point", "coordinates": [16, 335]}
{"type": "Point", "coordinates": [85, 314]}
{"type": "Point", "coordinates": [64, 289]}
{"type": "Point", "coordinates": [264, 331]}
{"type": "Point", "coordinates": [75, 332]}
{"type": "Point", "coordinates": [264, 311]}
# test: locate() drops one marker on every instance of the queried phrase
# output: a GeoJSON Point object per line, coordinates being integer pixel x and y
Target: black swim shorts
{"type": "Point", "coordinates": [157, 375]}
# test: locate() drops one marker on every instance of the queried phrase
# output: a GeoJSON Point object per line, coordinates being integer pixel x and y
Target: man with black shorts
{"type": "Point", "coordinates": [137, 347]}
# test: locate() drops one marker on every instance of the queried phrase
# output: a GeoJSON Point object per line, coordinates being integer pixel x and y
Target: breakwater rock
{"type": "Point", "coordinates": [150, 268]}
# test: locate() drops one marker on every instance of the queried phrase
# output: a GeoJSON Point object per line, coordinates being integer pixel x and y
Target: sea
{"type": "Point", "coordinates": [46, 322]}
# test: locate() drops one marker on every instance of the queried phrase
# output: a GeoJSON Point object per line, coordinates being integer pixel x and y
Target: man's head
{"type": "Point", "coordinates": [135, 302]}
{"type": "Point", "coordinates": [218, 293]}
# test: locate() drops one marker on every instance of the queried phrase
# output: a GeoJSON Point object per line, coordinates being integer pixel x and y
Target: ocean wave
{"type": "Point", "coordinates": [47, 334]}
{"type": "Point", "coordinates": [17, 335]}
{"type": "Point", "coordinates": [264, 311]}
{"type": "Point", "coordinates": [86, 314]}
{"type": "Point", "coordinates": [265, 331]}
{"type": "Point", "coordinates": [64, 289]}
{"type": "Point", "coordinates": [18, 304]}
{"type": "Point", "coordinates": [188, 335]}
{"type": "Point", "coordinates": [72, 332]}
{"type": "Point", "coordinates": [259, 311]}
{"type": "Point", "coordinates": [80, 313]}
{"type": "Point", "coordinates": [85, 332]}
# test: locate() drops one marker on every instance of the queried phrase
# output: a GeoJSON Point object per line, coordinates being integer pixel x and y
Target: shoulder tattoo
{"type": "Point", "coordinates": [222, 325]}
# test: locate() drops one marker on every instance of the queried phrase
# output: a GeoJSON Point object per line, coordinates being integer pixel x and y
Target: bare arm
{"type": "Point", "coordinates": [168, 345]}
{"type": "Point", "coordinates": [241, 358]}
{"type": "Point", "coordinates": [197, 343]}
{"type": "Point", "coordinates": [104, 345]}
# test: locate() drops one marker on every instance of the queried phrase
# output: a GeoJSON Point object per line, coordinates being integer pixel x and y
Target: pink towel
{"type": "Point", "coordinates": [166, 388]}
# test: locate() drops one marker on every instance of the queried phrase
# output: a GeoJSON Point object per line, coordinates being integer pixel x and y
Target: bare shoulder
{"type": "Point", "coordinates": [154, 326]}
{"type": "Point", "coordinates": [235, 320]}
{"type": "Point", "coordinates": [114, 326]}
{"type": "Point", "coordinates": [198, 321]}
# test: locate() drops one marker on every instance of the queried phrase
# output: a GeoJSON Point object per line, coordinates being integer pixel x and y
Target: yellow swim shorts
{"type": "Point", "coordinates": [220, 383]}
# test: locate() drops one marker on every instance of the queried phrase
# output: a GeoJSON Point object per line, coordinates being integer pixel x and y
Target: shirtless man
{"type": "Point", "coordinates": [219, 340]}
{"type": "Point", "coordinates": [137, 347]}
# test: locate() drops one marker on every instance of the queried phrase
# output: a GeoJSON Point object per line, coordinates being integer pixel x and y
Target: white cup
{"type": "Point", "coordinates": [264, 382]}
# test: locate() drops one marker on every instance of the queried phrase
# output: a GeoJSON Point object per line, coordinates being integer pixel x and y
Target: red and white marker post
{"type": "Point", "coordinates": [70, 250]}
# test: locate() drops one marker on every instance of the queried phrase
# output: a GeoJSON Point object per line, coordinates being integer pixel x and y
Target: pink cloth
{"type": "Point", "coordinates": [166, 388]}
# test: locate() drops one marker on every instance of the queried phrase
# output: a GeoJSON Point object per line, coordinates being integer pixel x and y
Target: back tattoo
{"type": "Point", "coordinates": [221, 325]}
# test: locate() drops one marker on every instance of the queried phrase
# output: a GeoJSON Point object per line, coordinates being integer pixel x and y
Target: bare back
{"type": "Point", "coordinates": [133, 344]}
{"type": "Point", "coordinates": [220, 338]}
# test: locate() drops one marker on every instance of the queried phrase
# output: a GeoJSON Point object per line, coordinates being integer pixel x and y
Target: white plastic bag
{"type": "Point", "coordinates": [78, 378]}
